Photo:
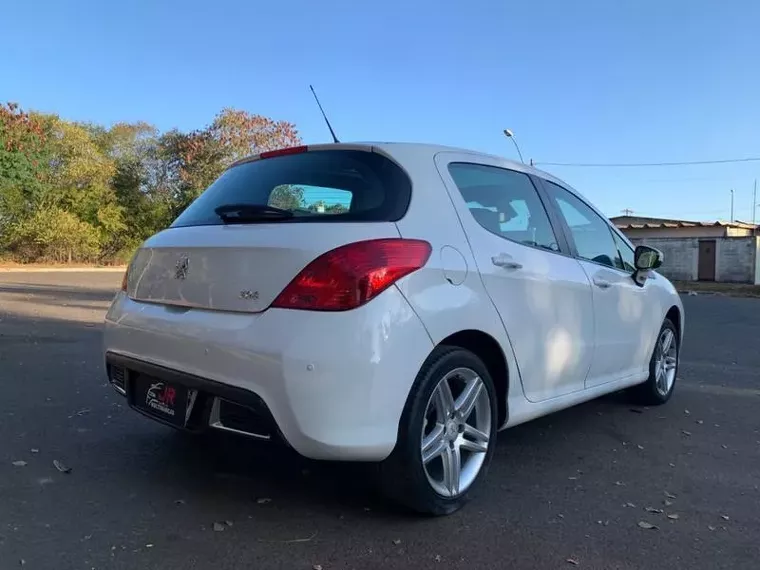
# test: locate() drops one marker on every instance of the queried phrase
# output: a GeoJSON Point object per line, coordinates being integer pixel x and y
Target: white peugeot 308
{"type": "Point", "coordinates": [389, 303]}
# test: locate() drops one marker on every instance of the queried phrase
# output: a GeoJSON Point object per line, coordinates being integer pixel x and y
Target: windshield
{"type": "Point", "coordinates": [317, 186]}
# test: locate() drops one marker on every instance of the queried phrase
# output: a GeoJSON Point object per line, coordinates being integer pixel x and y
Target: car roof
{"type": "Point", "coordinates": [433, 149]}
{"type": "Point", "coordinates": [393, 147]}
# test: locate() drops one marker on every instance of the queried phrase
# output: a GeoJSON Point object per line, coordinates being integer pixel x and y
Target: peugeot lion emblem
{"type": "Point", "coordinates": [180, 270]}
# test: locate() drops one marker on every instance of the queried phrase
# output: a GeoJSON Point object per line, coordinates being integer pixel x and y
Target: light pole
{"type": "Point", "coordinates": [732, 204]}
{"type": "Point", "coordinates": [510, 135]}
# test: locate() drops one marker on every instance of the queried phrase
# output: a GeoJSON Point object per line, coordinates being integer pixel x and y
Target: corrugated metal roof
{"type": "Point", "coordinates": [652, 224]}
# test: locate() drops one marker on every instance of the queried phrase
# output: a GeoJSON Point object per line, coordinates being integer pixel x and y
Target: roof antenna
{"type": "Point", "coordinates": [332, 132]}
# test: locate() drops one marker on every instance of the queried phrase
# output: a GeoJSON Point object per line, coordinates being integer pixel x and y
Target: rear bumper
{"type": "Point", "coordinates": [334, 384]}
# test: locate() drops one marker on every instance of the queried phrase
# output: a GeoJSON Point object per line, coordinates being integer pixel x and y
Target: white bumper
{"type": "Point", "coordinates": [335, 383]}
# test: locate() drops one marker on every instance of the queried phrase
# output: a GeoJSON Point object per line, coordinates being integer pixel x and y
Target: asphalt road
{"type": "Point", "coordinates": [569, 487]}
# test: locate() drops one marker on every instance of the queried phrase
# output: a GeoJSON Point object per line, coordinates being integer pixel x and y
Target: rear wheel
{"type": "Point", "coordinates": [446, 436]}
{"type": "Point", "coordinates": [663, 369]}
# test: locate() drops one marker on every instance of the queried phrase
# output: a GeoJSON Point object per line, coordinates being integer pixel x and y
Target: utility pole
{"type": "Point", "coordinates": [627, 212]}
{"type": "Point", "coordinates": [754, 202]}
{"type": "Point", "coordinates": [732, 204]}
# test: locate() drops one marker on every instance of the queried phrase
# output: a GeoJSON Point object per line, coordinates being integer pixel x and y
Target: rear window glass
{"type": "Point", "coordinates": [316, 186]}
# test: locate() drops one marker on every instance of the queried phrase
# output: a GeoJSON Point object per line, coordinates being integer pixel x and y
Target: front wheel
{"type": "Point", "coordinates": [663, 368]}
{"type": "Point", "coordinates": [446, 435]}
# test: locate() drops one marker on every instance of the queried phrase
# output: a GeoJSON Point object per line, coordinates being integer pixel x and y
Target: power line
{"type": "Point", "coordinates": [638, 164]}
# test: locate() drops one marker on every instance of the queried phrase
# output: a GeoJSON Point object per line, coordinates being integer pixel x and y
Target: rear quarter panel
{"type": "Point", "coordinates": [448, 293]}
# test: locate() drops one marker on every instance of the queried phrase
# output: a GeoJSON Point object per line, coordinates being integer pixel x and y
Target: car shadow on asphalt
{"type": "Point", "coordinates": [243, 471]}
{"type": "Point", "coordinates": [43, 299]}
{"type": "Point", "coordinates": [235, 473]}
{"type": "Point", "coordinates": [234, 470]}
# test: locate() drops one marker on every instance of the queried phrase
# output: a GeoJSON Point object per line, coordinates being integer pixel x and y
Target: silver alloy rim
{"type": "Point", "coordinates": [665, 364]}
{"type": "Point", "coordinates": [456, 432]}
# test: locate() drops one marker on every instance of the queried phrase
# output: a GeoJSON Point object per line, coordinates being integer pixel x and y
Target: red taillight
{"type": "Point", "coordinates": [284, 151]}
{"type": "Point", "coordinates": [351, 275]}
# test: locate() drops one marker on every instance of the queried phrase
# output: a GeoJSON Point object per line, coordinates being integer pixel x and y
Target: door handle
{"type": "Point", "coordinates": [602, 283]}
{"type": "Point", "coordinates": [506, 261]}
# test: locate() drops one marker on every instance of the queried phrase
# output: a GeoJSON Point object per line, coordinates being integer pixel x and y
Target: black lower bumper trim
{"type": "Point", "coordinates": [243, 409]}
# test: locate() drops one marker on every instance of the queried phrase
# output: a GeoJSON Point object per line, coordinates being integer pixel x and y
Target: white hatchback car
{"type": "Point", "coordinates": [389, 303]}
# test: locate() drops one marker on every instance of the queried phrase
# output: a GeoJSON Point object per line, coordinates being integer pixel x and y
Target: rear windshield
{"type": "Point", "coordinates": [317, 186]}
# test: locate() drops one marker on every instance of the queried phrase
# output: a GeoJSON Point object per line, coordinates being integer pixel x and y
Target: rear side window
{"type": "Point", "coordinates": [317, 186]}
{"type": "Point", "coordinates": [505, 203]}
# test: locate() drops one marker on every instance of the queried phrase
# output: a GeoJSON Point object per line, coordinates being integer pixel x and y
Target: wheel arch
{"type": "Point", "coordinates": [675, 316]}
{"type": "Point", "coordinates": [488, 349]}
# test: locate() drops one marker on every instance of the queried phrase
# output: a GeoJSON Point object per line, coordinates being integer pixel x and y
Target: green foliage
{"type": "Point", "coordinates": [24, 159]}
{"type": "Point", "coordinates": [53, 234]}
{"type": "Point", "coordinates": [320, 205]}
{"type": "Point", "coordinates": [85, 192]}
{"type": "Point", "coordinates": [287, 197]}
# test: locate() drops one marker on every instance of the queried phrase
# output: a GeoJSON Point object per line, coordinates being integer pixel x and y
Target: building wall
{"type": "Point", "coordinates": [679, 256]}
{"type": "Point", "coordinates": [737, 259]}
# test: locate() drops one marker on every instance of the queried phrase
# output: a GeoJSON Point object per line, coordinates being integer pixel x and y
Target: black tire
{"type": "Point", "coordinates": [402, 475]}
{"type": "Point", "coordinates": [648, 394]}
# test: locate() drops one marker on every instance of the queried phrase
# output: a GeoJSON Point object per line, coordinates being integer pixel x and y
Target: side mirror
{"type": "Point", "coordinates": [645, 258]}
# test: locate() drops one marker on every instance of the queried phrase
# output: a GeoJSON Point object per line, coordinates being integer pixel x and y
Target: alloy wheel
{"type": "Point", "coordinates": [666, 362]}
{"type": "Point", "coordinates": [456, 432]}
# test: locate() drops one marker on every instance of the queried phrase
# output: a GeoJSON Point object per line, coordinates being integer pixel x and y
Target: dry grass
{"type": "Point", "coordinates": [6, 266]}
{"type": "Point", "coordinates": [7, 262]}
{"type": "Point", "coordinates": [731, 289]}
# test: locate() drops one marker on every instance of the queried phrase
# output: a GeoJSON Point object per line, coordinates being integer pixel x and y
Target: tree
{"type": "Point", "coordinates": [53, 234]}
{"type": "Point", "coordinates": [337, 209]}
{"type": "Point", "coordinates": [322, 207]}
{"type": "Point", "coordinates": [79, 176]}
{"type": "Point", "coordinates": [194, 160]}
{"type": "Point", "coordinates": [24, 158]}
{"type": "Point", "coordinates": [287, 197]}
{"type": "Point", "coordinates": [197, 158]}
{"type": "Point", "coordinates": [241, 133]}
{"type": "Point", "coordinates": [138, 183]}
{"type": "Point", "coordinates": [84, 191]}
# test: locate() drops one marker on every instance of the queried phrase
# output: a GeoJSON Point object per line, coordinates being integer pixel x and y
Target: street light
{"type": "Point", "coordinates": [510, 135]}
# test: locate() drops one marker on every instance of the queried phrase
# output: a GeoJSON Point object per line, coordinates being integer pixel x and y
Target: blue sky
{"type": "Point", "coordinates": [577, 81]}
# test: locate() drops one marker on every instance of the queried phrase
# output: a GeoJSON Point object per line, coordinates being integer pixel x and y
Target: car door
{"type": "Point", "coordinates": [542, 295]}
{"type": "Point", "coordinates": [622, 314]}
